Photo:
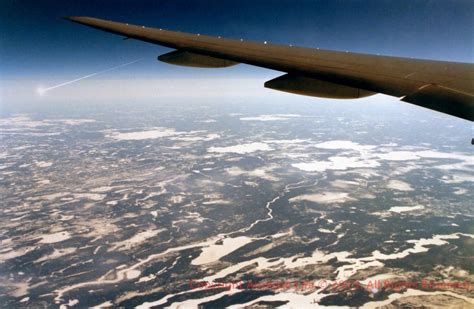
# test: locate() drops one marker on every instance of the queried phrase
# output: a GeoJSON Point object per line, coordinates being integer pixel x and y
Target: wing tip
{"type": "Point", "coordinates": [73, 18]}
{"type": "Point", "coordinates": [78, 19]}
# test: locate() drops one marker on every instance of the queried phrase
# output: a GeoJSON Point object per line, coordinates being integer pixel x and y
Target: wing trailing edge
{"type": "Point", "coordinates": [444, 100]}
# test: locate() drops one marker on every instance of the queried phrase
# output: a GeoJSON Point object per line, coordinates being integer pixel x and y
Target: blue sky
{"type": "Point", "coordinates": [37, 44]}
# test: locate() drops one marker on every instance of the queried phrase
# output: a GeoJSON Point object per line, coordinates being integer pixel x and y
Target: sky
{"type": "Point", "coordinates": [39, 49]}
{"type": "Point", "coordinates": [37, 43]}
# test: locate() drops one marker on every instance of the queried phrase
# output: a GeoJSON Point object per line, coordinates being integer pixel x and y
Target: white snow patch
{"type": "Point", "coordinates": [336, 144]}
{"type": "Point", "coordinates": [141, 135]}
{"type": "Point", "coordinates": [43, 164]}
{"type": "Point", "coordinates": [73, 122]}
{"type": "Point", "coordinates": [214, 252]}
{"type": "Point", "coordinates": [54, 238]}
{"type": "Point", "coordinates": [336, 163]}
{"type": "Point", "coordinates": [90, 196]}
{"type": "Point", "coordinates": [207, 137]}
{"type": "Point", "coordinates": [132, 274]}
{"type": "Point", "coordinates": [399, 185]}
{"type": "Point", "coordinates": [274, 117]}
{"type": "Point", "coordinates": [325, 231]}
{"type": "Point", "coordinates": [457, 178]}
{"type": "Point", "coordinates": [102, 189]}
{"type": "Point", "coordinates": [218, 201]}
{"type": "Point", "coordinates": [399, 209]}
{"type": "Point", "coordinates": [147, 278]}
{"type": "Point", "coordinates": [260, 173]}
{"type": "Point", "coordinates": [323, 198]}
{"type": "Point", "coordinates": [398, 156]}
{"type": "Point", "coordinates": [136, 239]}
{"type": "Point", "coordinates": [242, 148]}
{"type": "Point", "coordinates": [460, 191]}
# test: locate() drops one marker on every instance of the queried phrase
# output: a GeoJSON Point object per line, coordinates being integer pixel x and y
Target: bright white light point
{"type": "Point", "coordinates": [41, 91]}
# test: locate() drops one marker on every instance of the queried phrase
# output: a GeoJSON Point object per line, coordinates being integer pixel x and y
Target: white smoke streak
{"type": "Point", "coordinates": [42, 91]}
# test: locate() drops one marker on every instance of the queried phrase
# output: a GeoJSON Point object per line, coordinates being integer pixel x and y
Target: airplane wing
{"type": "Point", "coordinates": [446, 87]}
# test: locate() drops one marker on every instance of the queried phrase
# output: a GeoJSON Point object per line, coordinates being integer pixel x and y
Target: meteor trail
{"type": "Point", "coordinates": [42, 91]}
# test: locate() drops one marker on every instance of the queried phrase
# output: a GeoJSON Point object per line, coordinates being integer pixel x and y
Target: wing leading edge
{"type": "Point", "coordinates": [447, 87]}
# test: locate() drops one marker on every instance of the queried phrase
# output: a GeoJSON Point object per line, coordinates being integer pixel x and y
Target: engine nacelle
{"type": "Point", "coordinates": [315, 87]}
{"type": "Point", "coordinates": [189, 59]}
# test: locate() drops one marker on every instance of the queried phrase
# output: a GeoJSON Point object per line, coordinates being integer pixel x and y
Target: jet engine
{"type": "Point", "coordinates": [315, 87]}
